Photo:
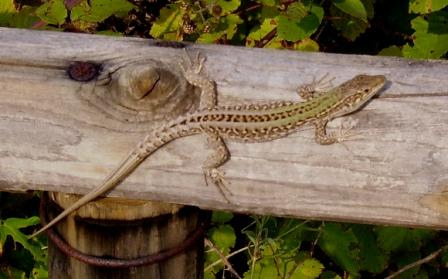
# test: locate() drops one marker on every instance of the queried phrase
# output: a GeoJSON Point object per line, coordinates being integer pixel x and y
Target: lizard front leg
{"type": "Point", "coordinates": [315, 88]}
{"type": "Point", "coordinates": [217, 158]}
{"type": "Point", "coordinates": [192, 72]}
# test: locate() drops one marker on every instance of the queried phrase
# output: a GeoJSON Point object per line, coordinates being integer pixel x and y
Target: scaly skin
{"type": "Point", "coordinates": [246, 123]}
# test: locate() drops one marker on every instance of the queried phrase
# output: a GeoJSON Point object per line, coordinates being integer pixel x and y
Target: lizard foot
{"type": "Point", "coordinates": [345, 132]}
{"type": "Point", "coordinates": [217, 177]}
{"type": "Point", "coordinates": [190, 66]}
{"type": "Point", "coordinates": [315, 87]}
{"type": "Point", "coordinates": [192, 72]}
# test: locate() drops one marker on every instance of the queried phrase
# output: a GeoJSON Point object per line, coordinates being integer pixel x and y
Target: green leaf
{"type": "Point", "coordinates": [209, 38]}
{"type": "Point", "coordinates": [231, 23]}
{"type": "Point", "coordinates": [24, 18]}
{"type": "Point", "coordinates": [209, 274]}
{"type": "Point", "coordinates": [227, 27]}
{"type": "Point", "coordinates": [210, 258]}
{"type": "Point", "coordinates": [390, 238]}
{"type": "Point", "coordinates": [7, 10]}
{"type": "Point", "coordinates": [296, 11]}
{"type": "Point", "coordinates": [221, 216]}
{"type": "Point", "coordinates": [350, 27]}
{"type": "Point", "coordinates": [262, 270]}
{"type": "Point", "coordinates": [19, 223]}
{"type": "Point", "coordinates": [294, 30]}
{"type": "Point", "coordinates": [268, 266]}
{"type": "Point", "coordinates": [430, 37]}
{"type": "Point", "coordinates": [40, 273]}
{"type": "Point", "coordinates": [308, 269]}
{"type": "Point", "coordinates": [11, 17]}
{"type": "Point", "coordinates": [259, 32]}
{"type": "Point", "coordinates": [7, 6]}
{"type": "Point", "coordinates": [53, 12]}
{"type": "Point", "coordinates": [11, 226]}
{"type": "Point", "coordinates": [355, 8]}
{"type": "Point", "coordinates": [268, 13]}
{"type": "Point", "coordinates": [371, 258]}
{"type": "Point", "coordinates": [417, 238]}
{"type": "Point", "coordinates": [306, 44]}
{"type": "Point", "coordinates": [391, 51]}
{"type": "Point", "coordinates": [227, 6]}
{"type": "Point", "coordinates": [275, 43]}
{"type": "Point", "coordinates": [99, 10]}
{"type": "Point", "coordinates": [223, 237]}
{"type": "Point", "coordinates": [268, 3]}
{"type": "Point", "coordinates": [168, 23]}
{"type": "Point", "coordinates": [426, 6]}
{"type": "Point", "coordinates": [339, 245]}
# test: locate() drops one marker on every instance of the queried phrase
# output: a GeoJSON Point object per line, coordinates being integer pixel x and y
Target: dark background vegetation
{"type": "Point", "coordinates": [259, 247]}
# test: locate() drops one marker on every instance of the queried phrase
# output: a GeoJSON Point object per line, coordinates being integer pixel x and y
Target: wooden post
{"type": "Point", "coordinates": [113, 230]}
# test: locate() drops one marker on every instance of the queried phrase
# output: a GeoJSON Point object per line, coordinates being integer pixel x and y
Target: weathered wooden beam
{"type": "Point", "coordinates": [57, 134]}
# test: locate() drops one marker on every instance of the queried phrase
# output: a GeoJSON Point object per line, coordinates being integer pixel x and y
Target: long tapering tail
{"type": "Point", "coordinates": [143, 150]}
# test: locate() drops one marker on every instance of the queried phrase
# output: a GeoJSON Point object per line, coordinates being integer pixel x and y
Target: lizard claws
{"type": "Point", "coordinates": [196, 66]}
{"type": "Point", "coordinates": [315, 87]}
{"type": "Point", "coordinates": [344, 133]}
{"type": "Point", "coordinates": [217, 177]}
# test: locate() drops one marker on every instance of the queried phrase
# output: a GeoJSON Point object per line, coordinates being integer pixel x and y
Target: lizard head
{"type": "Point", "coordinates": [357, 91]}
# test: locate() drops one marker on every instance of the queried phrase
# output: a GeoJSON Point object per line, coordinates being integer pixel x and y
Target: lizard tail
{"type": "Point", "coordinates": [143, 150]}
{"type": "Point", "coordinates": [114, 178]}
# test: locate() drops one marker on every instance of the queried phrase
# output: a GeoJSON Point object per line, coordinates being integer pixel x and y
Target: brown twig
{"type": "Point", "coordinates": [266, 39]}
{"type": "Point", "coordinates": [223, 258]}
{"type": "Point", "coordinates": [227, 257]}
{"type": "Point", "coordinates": [426, 259]}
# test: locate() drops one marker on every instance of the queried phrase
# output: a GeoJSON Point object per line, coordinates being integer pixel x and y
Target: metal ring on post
{"type": "Point", "coordinates": [117, 263]}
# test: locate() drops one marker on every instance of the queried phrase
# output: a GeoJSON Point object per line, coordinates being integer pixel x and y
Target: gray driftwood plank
{"type": "Point", "coordinates": [56, 136]}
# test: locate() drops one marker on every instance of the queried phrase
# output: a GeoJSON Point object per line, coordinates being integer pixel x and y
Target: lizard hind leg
{"type": "Point", "coordinates": [217, 158]}
{"type": "Point", "coordinates": [322, 137]}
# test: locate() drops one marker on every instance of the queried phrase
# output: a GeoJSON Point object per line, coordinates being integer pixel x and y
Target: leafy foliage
{"type": "Point", "coordinates": [263, 247]}
{"type": "Point", "coordinates": [25, 258]}
{"type": "Point", "coordinates": [430, 36]}
{"type": "Point", "coordinates": [10, 227]}
{"type": "Point", "coordinates": [338, 243]}
{"type": "Point", "coordinates": [409, 28]}
{"type": "Point", "coordinates": [79, 15]}
{"type": "Point", "coordinates": [52, 12]}
{"type": "Point", "coordinates": [287, 248]}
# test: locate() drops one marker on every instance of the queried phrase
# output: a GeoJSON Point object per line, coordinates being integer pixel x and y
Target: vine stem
{"type": "Point", "coordinates": [210, 244]}
{"type": "Point", "coordinates": [426, 259]}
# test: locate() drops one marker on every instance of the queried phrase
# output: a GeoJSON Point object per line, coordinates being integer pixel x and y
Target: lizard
{"type": "Point", "coordinates": [244, 123]}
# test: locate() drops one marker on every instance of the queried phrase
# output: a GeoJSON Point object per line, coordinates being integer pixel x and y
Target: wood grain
{"type": "Point", "coordinates": [394, 171]}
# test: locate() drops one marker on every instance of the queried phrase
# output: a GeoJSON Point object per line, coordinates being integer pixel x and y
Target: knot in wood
{"type": "Point", "coordinates": [144, 92]}
{"type": "Point", "coordinates": [138, 82]}
{"type": "Point", "coordinates": [149, 87]}
{"type": "Point", "coordinates": [83, 71]}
